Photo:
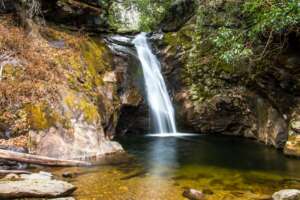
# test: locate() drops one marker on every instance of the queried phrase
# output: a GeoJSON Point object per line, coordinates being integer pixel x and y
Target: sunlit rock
{"type": "Point", "coordinates": [35, 185]}
{"type": "Point", "coordinates": [292, 146]}
{"type": "Point", "coordinates": [287, 194]}
{"type": "Point", "coordinates": [193, 194]}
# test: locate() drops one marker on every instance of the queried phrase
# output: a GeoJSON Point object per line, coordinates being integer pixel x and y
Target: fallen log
{"type": "Point", "coordinates": [14, 172]}
{"type": "Point", "coordinates": [40, 160]}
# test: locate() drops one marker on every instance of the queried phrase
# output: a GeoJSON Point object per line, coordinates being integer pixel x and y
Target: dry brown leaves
{"type": "Point", "coordinates": [20, 141]}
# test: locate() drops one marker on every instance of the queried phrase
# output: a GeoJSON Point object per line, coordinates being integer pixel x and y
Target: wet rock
{"type": "Point", "coordinates": [235, 113]}
{"type": "Point", "coordinates": [193, 194]}
{"type": "Point", "coordinates": [292, 146]}
{"type": "Point", "coordinates": [178, 14]}
{"type": "Point", "coordinates": [37, 176]}
{"type": "Point", "coordinates": [86, 142]}
{"type": "Point", "coordinates": [69, 174]}
{"type": "Point", "coordinates": [295, 126]}
{"type": "Point", "coordinates": [81, 14]}
{"type": "Point", "coordinates": [208, 191]}
{"type": "Point", "coordinates": [35, 185]}
{"type": "Point", "coordinates": [287, 194]}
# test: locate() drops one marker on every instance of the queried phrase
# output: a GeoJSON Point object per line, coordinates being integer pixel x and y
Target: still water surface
{"type": "Point", "coordinates": [224, 167]}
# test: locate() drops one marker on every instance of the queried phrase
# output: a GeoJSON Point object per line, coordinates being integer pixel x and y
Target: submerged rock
{"type": "Point", "coordinates": [193, 194]}
{"type": "Point", "coordinates": [35, 185]}
{"type": "Point", "coordinates": [287, 194]}
{"type": "Point", "coordinates": [292, 146]}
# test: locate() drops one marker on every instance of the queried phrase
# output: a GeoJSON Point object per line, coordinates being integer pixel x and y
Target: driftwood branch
{"type": "Point", "coordinates": [40, 160]}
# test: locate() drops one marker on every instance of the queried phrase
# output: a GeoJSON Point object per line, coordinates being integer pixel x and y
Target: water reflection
{"type": "Point", "coordinates": [232, 168]}
{"type": "Point", "coordinates": [170, 153]}
{"type": "Point", "coordinates": [160, 161]}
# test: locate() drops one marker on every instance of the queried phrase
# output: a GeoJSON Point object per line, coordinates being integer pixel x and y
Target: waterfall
{"type": "Point", "coordinates": [157, 95]}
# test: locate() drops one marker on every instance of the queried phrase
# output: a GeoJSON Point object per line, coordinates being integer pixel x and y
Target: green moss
{"type": "Point", "coordinates": [38, 117]}
{"type": "Point", "coordinates": [96, 56]}
{"type": "Point", "coordinates": [81, 104]}
{"type": "Point", "coordinates": [88, 67]}
{"type": "Point", "coordinates": [182, 38]}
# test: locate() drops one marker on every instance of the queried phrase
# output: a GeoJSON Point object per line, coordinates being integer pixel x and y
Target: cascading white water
{"type": "Point", "coordinates": [157, 95]}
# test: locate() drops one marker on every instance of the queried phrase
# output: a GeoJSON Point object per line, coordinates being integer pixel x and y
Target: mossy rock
{"type": "Point", "coordinates": [39, 116]}
{"type": "Point", "coordinates": [78, 104]}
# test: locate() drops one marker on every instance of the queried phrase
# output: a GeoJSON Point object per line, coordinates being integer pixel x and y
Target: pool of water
{"type": "Point", "coordinates": [162, 167]}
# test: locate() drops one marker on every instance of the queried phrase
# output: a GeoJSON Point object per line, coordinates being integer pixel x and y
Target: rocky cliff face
{"type": "Point", "coordinates": [59, 90]}
{"type": "Point", "coordinates": [232, 99]}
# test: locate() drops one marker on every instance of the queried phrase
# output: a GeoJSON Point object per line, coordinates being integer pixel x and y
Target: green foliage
{"type": "Point", "coordinates": [235, 42]}
{"type": "Point", "coordinates": [230, 45]}
{"type": "Point", "coordinates": [150, 13]}
{"type": "Point", "coordinates": [269, 15]}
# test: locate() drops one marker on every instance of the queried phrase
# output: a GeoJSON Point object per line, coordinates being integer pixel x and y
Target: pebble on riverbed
{"type": "Point", "coordinates": [193, 194]}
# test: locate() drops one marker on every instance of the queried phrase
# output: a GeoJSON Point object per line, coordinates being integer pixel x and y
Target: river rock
{"type": "Point", "coordinates": [35, 185]}
{"type": "Point", "coordinates": [287, 194]}
{"type": "Point", "coordinates": [193, 194]}
{"type": "Point", "coordinates": [292, 146]}
{"type": "Point", "coordinates": [11, 177]}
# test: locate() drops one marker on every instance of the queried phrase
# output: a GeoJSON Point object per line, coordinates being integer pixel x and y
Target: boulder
{"type": "Point", "coordinates": [292, 146]}
{"type": "Point", "coordinates": [287, 194]}
{"type": "Point", "coordinates": [35, 188]}
{"type": "Point", "coordinates": [35, 185]}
